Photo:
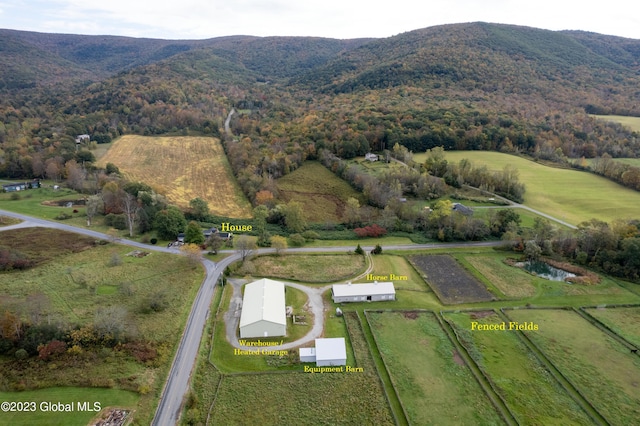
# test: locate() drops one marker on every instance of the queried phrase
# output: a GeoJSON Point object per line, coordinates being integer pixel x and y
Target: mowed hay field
{"type": "Point", "coordinates": [632, 122]}
{"type": "Point", "coordinates": [569, 195]}
{"type": "Point", "coordinates": [182, 168]}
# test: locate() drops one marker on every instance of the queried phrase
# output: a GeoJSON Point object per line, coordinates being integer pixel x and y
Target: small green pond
{"type": "Point", "coordinates": [545, 270]}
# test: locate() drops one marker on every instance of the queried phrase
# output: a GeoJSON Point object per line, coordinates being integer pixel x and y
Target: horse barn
{"type": "Point", "coordinates": [371, 292]}
{"type": "Point", "coordinates": [263, 310]}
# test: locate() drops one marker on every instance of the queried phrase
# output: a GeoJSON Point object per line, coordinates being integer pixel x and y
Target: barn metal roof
{"type": "Point", "coordinates": [367, 289]}
{"type": "Point", "coordinates": [263, 301]}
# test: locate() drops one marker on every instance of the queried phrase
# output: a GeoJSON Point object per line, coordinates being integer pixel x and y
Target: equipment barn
{"type": "Point", "coordinates": [263, 310]}
{"type": "Point", "coordinates": [363, 292]}
{"type": "Point", "coordinates": [327, 352]}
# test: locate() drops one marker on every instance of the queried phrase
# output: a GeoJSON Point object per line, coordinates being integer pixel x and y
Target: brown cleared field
{"type": "Point", "coordinates": [182, 168]}
{"type": "Point", "coordinates": [322, 194]}
{"type": "Point", "coordinates": [450, 281]}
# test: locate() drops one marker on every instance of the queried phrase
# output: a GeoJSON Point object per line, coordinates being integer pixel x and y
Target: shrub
{"type": "Point", "coordinates": [117, 221]}
{"type": "Point", "coordinates": [359, 250]}
{"type": "Point", "coordinates": [15, 196]}
{"type": "Point", "coordinates": [310, 235]}
{"type": "Point", "coordinates": [154, 241]}
{"type": "Point", "coordinates": [21, 354]}
{"type": "Point", "coordinates": [63, 216]}
{"type": "Point", "coordinates": [115, 260]}
{"type": "Point", "coordinates": [377, 249]}
{"type": "Point", "coordinates": [373, 231]}
{"type": "Point", "coordinates": [54, 347]}
{"type": "Point", "coordinates": [297, 240]}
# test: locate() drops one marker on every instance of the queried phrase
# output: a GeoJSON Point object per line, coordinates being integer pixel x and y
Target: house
{"type": "Point", "coordinates": [82, 139]}
{"type": "Point", "coordinates": [369, 156]}
{"type": "Point", "coordinates": [371, 292]}
{"type": "Point", "coordinates": [461, 208]}
{"type": "Point", "coordinates": [327, 352]}
{"type": "Point", "coordinates": [21, 186]}
{"type": "Point", "coordinates": [14, 187]}
{"type": "Point", "coordinates": [214, 231]}
{"type": "Point", "coordinates": [263, 310]}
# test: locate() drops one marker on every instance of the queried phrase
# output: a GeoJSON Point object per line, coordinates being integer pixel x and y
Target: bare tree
{"type": "Point", "coordinates": [245, 246]}
{"type": "Point", "coordinates": [94, 205]}
{"type": "Point", "coordinates": [130, 209]}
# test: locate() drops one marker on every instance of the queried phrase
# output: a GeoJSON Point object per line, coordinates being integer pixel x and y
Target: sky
{"type": "Point", "coordinates": [343, 19]}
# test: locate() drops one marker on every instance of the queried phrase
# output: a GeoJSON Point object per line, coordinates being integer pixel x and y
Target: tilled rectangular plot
{"type": "Point", "coordinates": [450, 281]}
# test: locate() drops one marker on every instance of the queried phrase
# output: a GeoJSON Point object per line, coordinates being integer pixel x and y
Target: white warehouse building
{"type": "Point", "coordinates": [372, 292]}
{"type": "Point", "coordinates": [263, 310]}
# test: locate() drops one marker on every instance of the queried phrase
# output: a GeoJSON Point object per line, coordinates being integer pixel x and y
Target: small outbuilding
{"type": "Point", "coordinates": [263, 310]}
{"type": "Point", "coordinates": [327, 352]}
{"type": "Point", "coordinates": [368, 292]}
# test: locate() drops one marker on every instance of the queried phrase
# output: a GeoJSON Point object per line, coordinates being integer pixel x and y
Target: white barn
{"type": "Point", "coordinates": [372, 292]}
{"type": "Point", "coordinates": [327, 352]}
{"type": "Point", "coordinates": [263, 310]}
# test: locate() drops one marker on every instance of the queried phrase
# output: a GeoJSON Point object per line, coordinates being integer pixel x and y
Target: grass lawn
{"type": "Point", "coordinates": [65, 395]}
{"type": "Point", "coordinates": [434, 384]}
{"type": "Point", "coordinates": [182, 168]}
{"type": "Point", "coordinates": [364, 242]}
{"type": "Point", "coordinates": [590, 196]}
{"type": "Point", "coordinates": [312, 268]}
{"type": "Point", "coordinates": [604, 371]}
{"type": "Point", "coordinates": [322, 194]}
{"type": "Point", "coordinates": [7, 221]}
{"type": "Point", "coordinates": [30, 203]}
{"type": "Point", "coordinates": [387, 264]}
{"type": "Point", "coordinates": [520, 379]}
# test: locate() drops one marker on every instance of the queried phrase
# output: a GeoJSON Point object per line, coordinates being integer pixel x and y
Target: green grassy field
{"type": "Point", "coordinates": [569, 195]}
{"type": "Point", "coordinates": [65, 395]}
{"type": "Point", "coordinates": [511, 367]}
{"type": "Point", "coordinates": [70, 289]}
{"type": "Point", "coordinates": [322, 194]}
{"type": "Point", "coordinates": [433, 383]}
{"type": "Point", "coordinates": [321, 268]}
{"type": "Point", "coordinates": [623, 321]}
{"type": "Point", "coordinates": [606, 373]}
{"type": "Point", "coordinates": [632, 122]}
{"type": "Point", "coordinates": [300, 398]}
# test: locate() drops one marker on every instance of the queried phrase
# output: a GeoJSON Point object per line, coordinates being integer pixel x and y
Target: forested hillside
{"type": "Point", "coordinates": [465, 86]}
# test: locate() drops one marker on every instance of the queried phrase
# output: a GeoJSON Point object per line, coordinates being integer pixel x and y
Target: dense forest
{"type": "Point", "coordinates": [473, 86]}
{"type": "Point", "coordinates": [468, 86]}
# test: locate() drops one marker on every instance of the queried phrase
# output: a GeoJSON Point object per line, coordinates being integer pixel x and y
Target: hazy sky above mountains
{"type": "Point", "coordinates": [199, 19]}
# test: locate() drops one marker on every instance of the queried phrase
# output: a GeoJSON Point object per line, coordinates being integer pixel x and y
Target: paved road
{"type": "Point", "coordinates": [177, 385]}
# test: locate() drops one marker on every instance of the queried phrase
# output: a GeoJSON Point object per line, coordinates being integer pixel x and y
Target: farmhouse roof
{"type": "Point", "coordinates": [330, 349]}
{"type": "Point", "coordinates": [263, 301]}
{"type": "Point", "coordinates": [367, 289]}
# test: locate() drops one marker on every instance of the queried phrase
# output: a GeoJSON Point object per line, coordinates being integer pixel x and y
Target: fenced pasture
{"type": "Point", "coordinates": [606, 373]}
{"type": "Point", "coordinates": [590, 196]}
{"type": "Point", "coordinates": [432, 381]}
{"type": "Point", "coordinates": [451, 282]}
{"type": "Point", "coordinates": [300, 398]}
{"type": "Point", "coordinates": [322, 194]}
{"type": "Point", "coordinates": [624, 321]}
{"type": "Point", "coordinates": [182, 168]}
{"type": "Point", "coordinates": [521, 380]}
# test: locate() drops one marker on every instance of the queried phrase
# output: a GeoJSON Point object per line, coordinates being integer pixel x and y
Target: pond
{"type": "Point", "coordinates": [545, 270]}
